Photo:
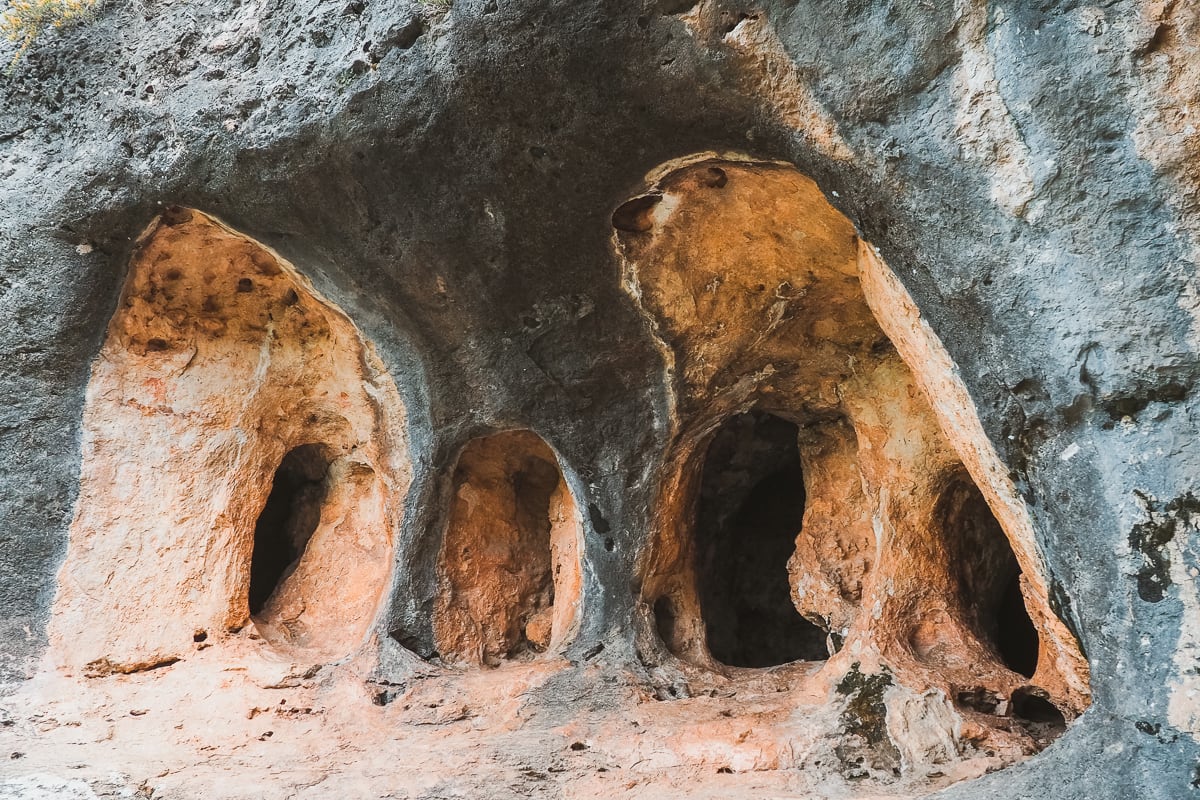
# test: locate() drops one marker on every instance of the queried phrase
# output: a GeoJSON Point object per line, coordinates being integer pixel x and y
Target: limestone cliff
{"type": "Point", "coordinates": [508, 398]}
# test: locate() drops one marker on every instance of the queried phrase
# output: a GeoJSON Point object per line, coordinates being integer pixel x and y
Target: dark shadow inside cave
{"type": "Point", "coordinates": [750, 511]}
{"type": "Point", "coordinates": [664, 619]}
{"type": "Point", "coordinates": [288, 520]}
{"type": "Point", "coordinates": [989, 577]}
{"type": "Point", "coordinates": [1031, 705]}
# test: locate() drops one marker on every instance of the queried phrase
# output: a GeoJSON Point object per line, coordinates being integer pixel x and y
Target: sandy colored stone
{"type": "Point", "coordinates": [219, 360]}
{"type": "Point", "coordinates": [509, 565]}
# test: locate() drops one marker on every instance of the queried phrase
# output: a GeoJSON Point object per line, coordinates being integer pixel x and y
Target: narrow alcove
{"type": "Point", "coordinates": [665, 619]}
{"type": "Point", "coordinates": [750, 510]}
{"type": "Point", "coordinates": [988, 575]}
{"type": "Point", "coordinates": [509, 567]}
{"type": "Point", "coordinates": [287, 522]}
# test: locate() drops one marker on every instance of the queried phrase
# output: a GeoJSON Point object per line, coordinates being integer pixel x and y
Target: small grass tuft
{"type": "Point", "coordinates": [26, 20]}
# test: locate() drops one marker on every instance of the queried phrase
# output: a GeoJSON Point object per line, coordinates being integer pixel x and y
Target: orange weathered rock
{"type": "Point", "coordinates": [510, 580]}
{"type": "Point", "coordinates": [249, 527]}
{"type": "Point", "coordinates": [765, 299]}
{"type": "Point", "coordinates": [220, 360]}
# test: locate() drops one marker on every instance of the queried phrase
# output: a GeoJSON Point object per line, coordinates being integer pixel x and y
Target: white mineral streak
{"type": "Point", "coordinates": [984, 127]}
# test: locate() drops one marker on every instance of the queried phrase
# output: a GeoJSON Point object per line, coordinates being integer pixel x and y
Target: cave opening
{"type": "Point", "coordinates": [750, 511]}
{"type": "Point", "coordinates": [989, 577]}
{"type": "Point", "coordinates": [509, 570]}
{"type": "Point", "coordinates": [1031, 704]}
{"type": "Point", "coordinates": [287, 522]}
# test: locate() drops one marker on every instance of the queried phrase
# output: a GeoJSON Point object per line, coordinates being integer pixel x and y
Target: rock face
{"type": "Point", "coordinates": [229, 374]}
{"type": "Point", "coordinates": [602, 399]}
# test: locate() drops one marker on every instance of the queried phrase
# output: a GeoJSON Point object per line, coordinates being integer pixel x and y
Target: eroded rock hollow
{"type": "Point", "coordinates": [244, 464]}
{"type": "Point", "coordinates": [813, 485]}
{"type": "Point", "coordinates": [593, 400]}
{"type": "Point", "coordinates": [509, 566]}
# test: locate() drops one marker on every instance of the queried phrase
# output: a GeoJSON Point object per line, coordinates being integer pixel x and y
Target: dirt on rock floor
{"type": "Point", "coordinates": [270, 729]}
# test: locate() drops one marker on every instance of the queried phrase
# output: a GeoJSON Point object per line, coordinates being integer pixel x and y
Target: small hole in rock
{"type": "Point", "coordinates": [176, 215]}
{"type": "Point", "coordinates": [1030, 703]}
{"type": "Point", "coordinates": [609, 544]}
{"type": "Point", "coordinates": [635, 216]}
{"type": "Point", "coordinates": [977, 698]}
{"type": "Point", "coordinates": [245, 285]}
{"type": "Point", "coordinates": [199, 636]}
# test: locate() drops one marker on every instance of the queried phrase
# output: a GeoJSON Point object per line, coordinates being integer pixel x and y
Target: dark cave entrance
{"type": "Point", "coordinates": [989, 577]}
{"type": "Point", "coordinates": [750, 511]}
{"type": "Point", "coordinates": [288, 520]}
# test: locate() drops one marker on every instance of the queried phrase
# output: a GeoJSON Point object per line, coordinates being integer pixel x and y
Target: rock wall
{"type": "Point", "coordinates": [464, 200]}
{"type": "Point", "coordinates": [219, 366]}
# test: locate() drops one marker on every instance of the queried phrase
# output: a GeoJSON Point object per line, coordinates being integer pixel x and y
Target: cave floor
{"type": "Point", "coordinates": [262, 729]}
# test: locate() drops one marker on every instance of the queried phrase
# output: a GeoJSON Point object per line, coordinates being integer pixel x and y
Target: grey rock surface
{"type": "Point", "coordinates": [448, 178]}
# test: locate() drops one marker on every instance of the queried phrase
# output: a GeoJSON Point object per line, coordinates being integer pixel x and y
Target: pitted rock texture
{"type": "Point", "coordinates": [220, 367]}
{"type": "Point", "coordinates": [510, 554]}
{"type": "Point", "coordinates": [1015, 193]}
{"type": "Point", "coordinates": [753, 281]}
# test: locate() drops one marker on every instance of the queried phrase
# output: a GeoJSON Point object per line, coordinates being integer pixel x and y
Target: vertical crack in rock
{"type": "Point", "coordinates": [266, 476]}
{"type": "Point", "coordinates": [510, 580]}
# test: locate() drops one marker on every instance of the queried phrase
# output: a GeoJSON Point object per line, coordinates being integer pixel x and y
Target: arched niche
{"type": "Point", "coordinates": [509, 572]}
{"type": "Point", "coordinates": [987, 575]}
{"type": "Point", "coordinates": [765, 301]}
{"type": "Point", "coordinates": [244, 463]}
{"type": "Point", "coordinates": [749, 512]}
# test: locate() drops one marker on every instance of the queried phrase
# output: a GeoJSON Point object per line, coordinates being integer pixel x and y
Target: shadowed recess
{"type": "Point", "coordinates": [989, 577]}
{"type": "Point", "coordinates": [750, 511]}
{"type": "Point", "coordinates": [288, 520]}
{"type": "Point", "coordinates": [510, 579]}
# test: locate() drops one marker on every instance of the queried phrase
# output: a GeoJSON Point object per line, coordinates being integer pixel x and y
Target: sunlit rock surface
{"type": "Point", "coordinates": [508, 399]}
